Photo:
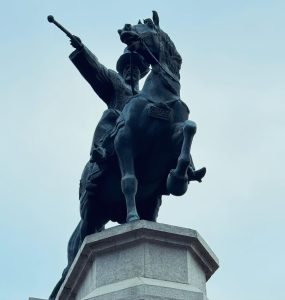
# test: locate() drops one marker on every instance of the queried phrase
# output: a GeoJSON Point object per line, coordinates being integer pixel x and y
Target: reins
{"type": "Point", "coordinates": [172, 76]}
{"type": "Point", "coordinates": [132, 73]}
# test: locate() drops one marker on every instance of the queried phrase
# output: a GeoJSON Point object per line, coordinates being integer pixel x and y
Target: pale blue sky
{"type": "Point", "coordinates": [233, 81]}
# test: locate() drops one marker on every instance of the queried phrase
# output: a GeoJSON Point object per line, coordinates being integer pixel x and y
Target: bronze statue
{"type": "Point", "coordinates": [141, 146]}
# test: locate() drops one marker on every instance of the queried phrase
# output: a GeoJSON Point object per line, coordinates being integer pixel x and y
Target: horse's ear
{"type": "Point", "coordinates": [139, 22]}
{"type": "Point", "coordinates": [155, 18]}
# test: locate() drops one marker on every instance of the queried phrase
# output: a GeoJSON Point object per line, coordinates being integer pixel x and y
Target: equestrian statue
{"type": "Point", "coordinates": [141, 145]}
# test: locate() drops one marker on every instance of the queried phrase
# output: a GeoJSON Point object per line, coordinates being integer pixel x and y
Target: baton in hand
{"type": "Point", "coordinates": [74, 40]}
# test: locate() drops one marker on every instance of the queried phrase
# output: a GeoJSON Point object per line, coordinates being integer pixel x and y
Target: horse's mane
{"type": "Point", "coordinates": [169, 53]}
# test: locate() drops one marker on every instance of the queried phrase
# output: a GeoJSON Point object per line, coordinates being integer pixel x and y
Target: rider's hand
{"type": "Point", "coordinates": [76, 42]}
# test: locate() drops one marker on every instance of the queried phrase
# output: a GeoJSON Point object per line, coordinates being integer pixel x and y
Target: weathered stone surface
{"type": "Point", "coordinates": [141, 260]}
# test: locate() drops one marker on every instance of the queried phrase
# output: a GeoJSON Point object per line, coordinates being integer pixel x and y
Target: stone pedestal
{"type": "Point", "coordinates": [141, 261]}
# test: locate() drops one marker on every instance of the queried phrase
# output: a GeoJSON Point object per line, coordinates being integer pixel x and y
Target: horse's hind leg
{"type": "Point", "coordinates": [177, 181]}
{"type": "Point", "coordinates": [129, 183]}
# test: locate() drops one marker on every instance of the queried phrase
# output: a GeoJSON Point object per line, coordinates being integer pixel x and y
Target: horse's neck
{"type": "Point", "coordinates": [160, 87]}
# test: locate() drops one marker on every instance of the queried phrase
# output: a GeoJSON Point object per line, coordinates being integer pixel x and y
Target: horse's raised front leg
{"type": "Point", "coordinates": [129, 183]}
{"type": "Point", "coordinates": [177, 181]}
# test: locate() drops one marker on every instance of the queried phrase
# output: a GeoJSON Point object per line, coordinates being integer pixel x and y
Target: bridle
{"type": "Point", "coordinates": [142, 41]}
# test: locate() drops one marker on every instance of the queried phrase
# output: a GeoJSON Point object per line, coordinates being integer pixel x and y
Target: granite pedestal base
{"type": "Point", "coordinates": [141, 261]}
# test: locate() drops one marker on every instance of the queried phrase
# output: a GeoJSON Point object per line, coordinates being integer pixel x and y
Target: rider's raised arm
{"type": "Point", "coordinates": [96, 74]}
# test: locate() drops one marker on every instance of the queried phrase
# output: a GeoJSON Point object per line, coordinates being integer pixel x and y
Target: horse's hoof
{"type": "Point", "coordinates": [176, 185]}
{"type": "Point", "coordinates": [133, 218]}
{"type": "Point", "coordinates": [196, 175]}
{"type": "Point", "coordinates": [199, 174]}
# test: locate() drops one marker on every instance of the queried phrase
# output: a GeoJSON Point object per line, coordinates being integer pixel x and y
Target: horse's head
{"type": "Point", "coordinates": [150, 41]}
{"type": "Point", "coordinates": [142, 36]}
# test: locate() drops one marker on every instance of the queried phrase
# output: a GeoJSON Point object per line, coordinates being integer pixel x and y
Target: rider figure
{"type": "Point", "coordinates": [114, 88]}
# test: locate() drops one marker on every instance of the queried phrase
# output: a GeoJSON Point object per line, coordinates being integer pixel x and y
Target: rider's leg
{"type": "Point", "coordinates": [123, 148]}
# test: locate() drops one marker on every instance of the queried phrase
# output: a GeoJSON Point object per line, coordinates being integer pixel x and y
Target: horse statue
{"type": "Point", "coordinates": [147, 153]}
{"type": "Point", "coordinates": [153, 135]}
{"type": "Point", "coordinates": [148, 150]}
